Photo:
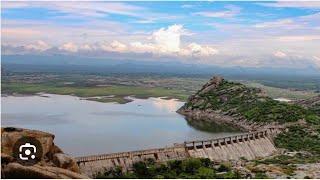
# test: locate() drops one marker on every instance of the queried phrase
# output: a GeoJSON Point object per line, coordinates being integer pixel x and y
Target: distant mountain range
{"type": "Point", "coordinates": [67, 63]}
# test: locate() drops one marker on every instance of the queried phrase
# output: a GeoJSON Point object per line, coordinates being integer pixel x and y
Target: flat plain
{"type": "Point", "coordinates": [116, 87]}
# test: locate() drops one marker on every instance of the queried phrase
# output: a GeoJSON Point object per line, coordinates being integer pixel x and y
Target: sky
{"type": "Point", "coordinates": [247, 34]}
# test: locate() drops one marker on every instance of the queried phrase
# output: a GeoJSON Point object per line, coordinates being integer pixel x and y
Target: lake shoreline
{"type": "Point", "coordinates": [103, 99]}
{"type": "Point", "coordinates": [118, 91]}
{"type": "Point", "coordinates": [89, 127]}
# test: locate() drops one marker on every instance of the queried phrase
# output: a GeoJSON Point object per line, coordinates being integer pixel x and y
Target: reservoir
{"type": "Point", "coordinates": [84, 127]}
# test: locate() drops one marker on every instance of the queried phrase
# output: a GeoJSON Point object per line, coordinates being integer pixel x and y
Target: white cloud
{"type": "Point", "coordinates": [294, 4]}
{"type": "Point", "coordinates": [167, 40]}
{"type": "Point", "coordinates": [13, 4]}
{"type": "Point", "coordinates": [275, 24]}
{"type": "Point", "coordinates": [187, 6]}
{"type": "Point", "coordinates": [87, 47]}
{"type": "Point", "coordinates": [231, 12]}
{"type": "Point", "coordinates": [18, 32]}
{"type": "Point", "coordinates": [38, 46]}
{"type": "Point", "coordinates": [94, 9]}
{"type": "Point", "coordinates": [114, 46]}
{"type": "Point", "coordinates": [145, 21]}
{"type": "Point", "coordinates": [302, 22]}
{"type": "Point", "coordinates": [118, 46]}
{"type": "Point", "coordinates": [164, 42]}
{"type": "Point", "coordinates": [69, 46]}
{"type": "Point", "coordinates": [280, 54]}
{"type": "Point", "coordinates": [250, 46]}
{"type": "Point", "coordinates": [142, 47]}
{"type": "Point", "coordinates": [299, 38]}
{"type": "Point", "coordinates": [197, 50]}
{"type": "Point", "coordinates": [316, 60]}
{"type": "Point", "coordinates": [24, 32]}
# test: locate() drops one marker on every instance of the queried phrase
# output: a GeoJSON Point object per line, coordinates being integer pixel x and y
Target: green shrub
{"type": "Point", "coordinates": [112, 173]}
{"type": "Point", "coordinates": [141, 170]}
{"type": "Point", "coordinates": [261, 175]}
{"type": "Point", "coordinates": [195, 168]}
{"type": "Point", "coordinates": [191, 165]}
{"type": "Point", "coordinates": [206, 173]}
{"type": "Point", "coordinates": [298, 138]}
{"type": "Point", "coordinates": [224, 167]}
{"type": "Point", "coordinates": [313, 119]}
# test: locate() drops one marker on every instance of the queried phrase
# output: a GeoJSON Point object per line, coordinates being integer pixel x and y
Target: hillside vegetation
{"type": "Point", "coordinates": [301, 137]}
{"type": "Point", "coordinates": [194, 168]}
{"type": "Point", "coordinates": [301, 119]}
{"type": "Point", "coordinates": [238, 100]}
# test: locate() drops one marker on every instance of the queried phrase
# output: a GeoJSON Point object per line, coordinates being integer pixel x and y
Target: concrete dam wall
{"type": "Point", "coordinates": [249, 145]}
{"type": "Point", "coordinates": [91, 165]}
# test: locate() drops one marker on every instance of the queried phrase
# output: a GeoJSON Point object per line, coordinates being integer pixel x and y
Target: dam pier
{"type": "Point", "coordinates": [247, 145]}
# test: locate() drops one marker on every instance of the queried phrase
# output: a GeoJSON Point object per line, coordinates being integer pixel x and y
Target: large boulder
{"type": "Point", "coordinates": [54, 163]}
{"type": "Point", "coordinates": [211, 85]}
{"type": "Point", "coordinates": [10, 135]}
{"type": "Point", "coordinates": [18, 171]}
{"type": "Point", "coordinates": [66, 162]}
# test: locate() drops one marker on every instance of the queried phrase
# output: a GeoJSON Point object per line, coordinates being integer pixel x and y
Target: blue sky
{"type": "Point", "coordinates": [223, 33]}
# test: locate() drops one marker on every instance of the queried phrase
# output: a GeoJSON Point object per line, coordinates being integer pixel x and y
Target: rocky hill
{"type": "Point", "coordinates": [54, 163]}
{"type": "Point", "coordinates": [222, 101]}
{"type": "Point", "coordinates": [312, 103]}
{"type": "Point", "coordinates": [233, 103]}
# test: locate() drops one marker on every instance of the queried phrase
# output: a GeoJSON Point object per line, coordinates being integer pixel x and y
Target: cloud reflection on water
{"type": "Point", "coordinates": [171, 105]}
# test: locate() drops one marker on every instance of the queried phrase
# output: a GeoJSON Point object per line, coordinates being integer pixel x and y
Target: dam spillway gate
{"type": "Point", "coordinates": [248, 145]}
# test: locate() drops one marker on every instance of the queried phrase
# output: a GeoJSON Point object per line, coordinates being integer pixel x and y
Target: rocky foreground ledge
{"type": "Point", "coordinates": [54, 163]}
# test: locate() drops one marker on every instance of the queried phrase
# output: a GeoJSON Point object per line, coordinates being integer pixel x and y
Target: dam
{"type": "Point", "coordinates": [248, 145]}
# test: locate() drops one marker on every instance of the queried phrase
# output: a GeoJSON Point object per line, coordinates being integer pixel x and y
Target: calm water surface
{"type": "Point", "coordinates": [85, 127]}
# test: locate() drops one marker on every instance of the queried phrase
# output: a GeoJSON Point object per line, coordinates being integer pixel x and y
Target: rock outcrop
{"type": "Point", "coordinates": [54, 163]}
{"type": "Point", "coordinates": [233, 103]}
{"type": "Point", "coordinates": [311, 103]}
{"type": "Point", "coordinates": [200, 106]}
{"type": "Point", "coordinates": [17, 171]}
{"type": "Point", "coordinates": [271, 169]}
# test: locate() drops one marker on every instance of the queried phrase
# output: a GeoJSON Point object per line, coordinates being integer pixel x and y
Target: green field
{"type": "Point", "coordinates": [120, 86]}
{"type": "Point", "coordinates": [119, 92]}
{"type": "Point", "coordinates": [275, 92]}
